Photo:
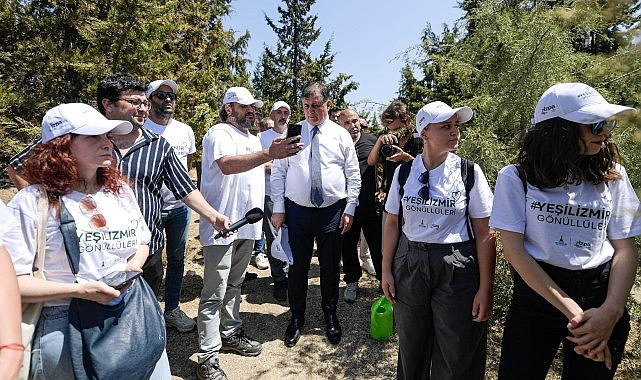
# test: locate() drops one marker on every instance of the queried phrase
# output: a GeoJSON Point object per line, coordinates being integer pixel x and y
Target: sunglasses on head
{"type": "Point", "coordinates": [424, 192]}
{"type": "Point", "coordinates": [596, 128]}
{"type": "Point", "coordinates": [162, 95]}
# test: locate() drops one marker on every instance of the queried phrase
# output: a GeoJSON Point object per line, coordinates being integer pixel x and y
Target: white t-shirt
{"type": "Point", "coordinates": [181, 138]}
{"type": "Point", "coordinates": [441, 219]}
{"type": "Point", "coordinates": [10, 233]}
{"type": "Point", "coordinates": [266, 139]}
{"type": "Point", "coordinates": [101, 251]}
{"type": "Point", "coordinates": [568, 226]}
{"type": "Point", "coordinates": [234, 194]}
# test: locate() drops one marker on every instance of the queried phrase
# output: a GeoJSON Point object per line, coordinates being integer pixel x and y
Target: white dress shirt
{"type": "Point", "coordinates": [339, 169]}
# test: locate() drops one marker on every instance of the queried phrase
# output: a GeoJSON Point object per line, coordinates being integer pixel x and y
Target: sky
{"type": "Point", "coordinates": [368, 37]}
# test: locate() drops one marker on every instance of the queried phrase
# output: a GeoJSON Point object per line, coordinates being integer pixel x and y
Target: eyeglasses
{"type": "Point", "coordinates": [138, 103]}
{"type": "Point", "coordinates": [89, 206]}
{"type": "Point", "coordinates": [424, 192]}
{"type": "Point", "coordinates": [162, 95]}
{"type": "Point", "coordinates": [596, 128]}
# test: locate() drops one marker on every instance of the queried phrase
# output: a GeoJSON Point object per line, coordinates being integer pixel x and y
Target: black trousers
{"type": "Point", "coordinates": [306, 224]}
{"type": "Point", "coordinates": [152, 271]}
{"type": "Point", "coordinates": [367, 219]}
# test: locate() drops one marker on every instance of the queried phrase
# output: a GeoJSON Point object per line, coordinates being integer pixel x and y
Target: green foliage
{"type": "Point", "coordinates": [282, 72]}
{"type": "Point", "coordinates": [58, 50]}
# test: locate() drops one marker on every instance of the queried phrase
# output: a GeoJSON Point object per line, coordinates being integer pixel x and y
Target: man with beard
{"type": "Point", "coordinates": [176, 216]}
{"type": "Point", "coordinates": [233, 181]}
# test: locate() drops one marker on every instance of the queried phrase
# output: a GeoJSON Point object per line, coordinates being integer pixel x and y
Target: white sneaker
{"type": "Point", "coordinates": [350, 292]}
{"type": "Point", "coordinates": [261, 261]}
{"type": "Point", "coordinates": [368, 266]}
{"type": "Point", "coordinates": [178, 319]}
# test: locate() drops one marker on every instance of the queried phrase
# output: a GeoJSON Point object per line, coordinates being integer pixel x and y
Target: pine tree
{"type": "Point", "coordinates": [282, 72]}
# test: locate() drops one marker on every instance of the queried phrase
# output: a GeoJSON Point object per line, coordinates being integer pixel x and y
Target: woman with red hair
{"type": "Point", "coordinates": [73, 163]}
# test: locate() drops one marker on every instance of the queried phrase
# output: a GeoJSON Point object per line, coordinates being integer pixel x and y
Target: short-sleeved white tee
{"type": "Point", "coordinates": [441, 219]}
{"type": "Point", "coordinates": [568, 226]}
{"type": "Point", "coordinates": [233, 194]}
{"type": "Point", "coordinates": [101, 251]}
{"type": "Point", "coordinates": [181, 138]}
{"type": "Point", "coordinates": [10, 233]}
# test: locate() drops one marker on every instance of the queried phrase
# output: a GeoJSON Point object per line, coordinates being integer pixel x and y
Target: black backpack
{"type": "Point", "coordinates": [467, 175]}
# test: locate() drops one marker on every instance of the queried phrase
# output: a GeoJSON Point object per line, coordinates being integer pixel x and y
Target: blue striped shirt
{"type": "Point", "coordinates": [149, 163]}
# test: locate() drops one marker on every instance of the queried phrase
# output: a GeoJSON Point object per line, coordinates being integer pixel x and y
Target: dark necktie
{"type": "Point", "coordinates": [315, 171]}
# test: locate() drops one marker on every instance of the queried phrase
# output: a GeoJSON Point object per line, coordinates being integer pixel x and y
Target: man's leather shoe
{"type": "Point", "coordinates": [333, 328]}
{"type": "Point", "coordinates": [292, 334]}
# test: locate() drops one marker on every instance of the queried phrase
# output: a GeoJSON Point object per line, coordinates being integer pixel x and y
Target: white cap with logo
{"type": "Point", "coordinates": [153, 86]}
{"type": "Point", "coordinates": [242, 96]}
{"type": "Point", "coordinates": [438, 112]}
{"type": "Point", "coordinates": [576, 102]}
{"type": "Point", "coordinates": [81, 119]}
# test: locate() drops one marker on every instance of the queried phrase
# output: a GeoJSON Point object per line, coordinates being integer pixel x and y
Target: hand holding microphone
{"type": "Point", "coordinates": [252, 216]}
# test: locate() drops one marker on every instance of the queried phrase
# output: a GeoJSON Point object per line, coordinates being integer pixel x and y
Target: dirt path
{"type": "Point", "coordinates": [356, 356]}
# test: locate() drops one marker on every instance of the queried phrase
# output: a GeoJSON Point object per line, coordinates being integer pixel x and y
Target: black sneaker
{"type": "Point", "coordinates": [280, 291]}
{"type": "Point", "coordinates": [210, 370]}
{"type": "Point", "coordinates": [241, 344]}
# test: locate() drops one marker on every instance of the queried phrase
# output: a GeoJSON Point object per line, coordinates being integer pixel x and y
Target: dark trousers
{"type": "Point", "coordinates": [306, 224]}
{"type": "Point", "coordinates": [435, 289]}
{"type": "Point", "coordinates": [152, 271]}
{"type": "Point", "coordinates": [369, 220]}
{"type": "Point", "coordinates": [534, 328]}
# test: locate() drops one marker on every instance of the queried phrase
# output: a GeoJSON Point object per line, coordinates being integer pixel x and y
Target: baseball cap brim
{"type": "Point", "coordinates": [254, 102]}
{"type": "Point", "coordinates": [117, 127]}
{"type": "Point", "coordinates": [594, 113]}
{"type": "Point", "coordinates": [464, 114]}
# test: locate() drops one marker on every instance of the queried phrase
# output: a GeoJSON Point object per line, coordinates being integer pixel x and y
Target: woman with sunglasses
{"type": "Point", "coordinates": [567, 215]}
{"type": "Point", "coordinates": [73, 163]}
{"type": "Point", "coordinates": [438, 264]}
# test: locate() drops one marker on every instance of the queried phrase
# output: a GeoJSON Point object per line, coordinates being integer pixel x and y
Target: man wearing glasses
{"type": "Point", "coordinates": [176, 216]}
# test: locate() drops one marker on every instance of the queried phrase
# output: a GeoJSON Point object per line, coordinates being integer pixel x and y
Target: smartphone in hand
{"type": "Point", "coordinates": [120, 279]}
{"type": "Point", "coordinates": [293, 130]}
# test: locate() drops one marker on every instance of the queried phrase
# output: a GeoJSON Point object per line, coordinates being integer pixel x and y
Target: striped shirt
{"type": "Point", "coordinates": [149, 163]}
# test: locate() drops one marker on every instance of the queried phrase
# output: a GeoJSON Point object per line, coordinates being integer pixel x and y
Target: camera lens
{"type": "Point", "coordinates": [386, 150]}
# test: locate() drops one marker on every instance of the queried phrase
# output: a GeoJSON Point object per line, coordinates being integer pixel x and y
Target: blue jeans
{"type": "Point", "coordinates": [176, 225]}
{"type": "Point", "coordinates": [259, 245]}
{"type": "Point", "coordinates": [51, 353]}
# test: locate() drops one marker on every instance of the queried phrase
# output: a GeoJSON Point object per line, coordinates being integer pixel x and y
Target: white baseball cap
{"type": "Point", "coordinates": [153, 86]}
{"type": "Point", "coordinates": [278, 105]}
{"type": "Point", "coordinates": [437, 112]}
{"type": "Point", "coordinates": [81, 119]}
{"type": "Point", "coordinates": [242, 96]}
{"type": "Point", "coordinates": [576, 102]}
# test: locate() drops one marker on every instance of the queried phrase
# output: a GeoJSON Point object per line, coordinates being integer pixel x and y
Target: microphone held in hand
{"type": "Point", "coordinates": [252, 216]}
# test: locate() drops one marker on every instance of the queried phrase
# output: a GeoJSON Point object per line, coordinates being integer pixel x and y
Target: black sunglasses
{"type": "Point", "coordinates": [162, 95]}
{"type": "Point", "coordinates": [424, 192]}
{"type": "Point", "coordinates": [596, 128]}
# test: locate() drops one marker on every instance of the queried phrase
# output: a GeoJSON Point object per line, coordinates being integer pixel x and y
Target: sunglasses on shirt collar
{"type": "Point", "coordinates": [597, 127]}
{"type": "Point", "coordinates": [424, 192]}
{"type": "Point", "coordinates": [162, 95]}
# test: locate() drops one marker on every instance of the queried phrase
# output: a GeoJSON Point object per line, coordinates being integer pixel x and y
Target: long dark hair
{"type": "Point", "coordinates": [550, 156]}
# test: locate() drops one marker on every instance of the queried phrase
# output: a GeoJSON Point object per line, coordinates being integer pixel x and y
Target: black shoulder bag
{"type": "Point", "coordinates": [123, 341]}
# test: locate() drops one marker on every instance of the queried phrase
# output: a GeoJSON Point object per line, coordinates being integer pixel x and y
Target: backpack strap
{"type": "Point", "coordinates": [403, 173]}
{"type": "Point", "coordinates": [467, 176]}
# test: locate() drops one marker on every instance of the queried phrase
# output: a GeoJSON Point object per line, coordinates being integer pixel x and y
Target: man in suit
{"type": "Point", "coordinates": [315, 193]}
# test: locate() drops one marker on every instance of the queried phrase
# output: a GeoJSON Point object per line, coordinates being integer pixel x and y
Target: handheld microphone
{"type": "Point", "coordinates": [252, 216]}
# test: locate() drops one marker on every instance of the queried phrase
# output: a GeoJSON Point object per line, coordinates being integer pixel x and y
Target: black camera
{"type": "Point", "coordinates": [387, 150]}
